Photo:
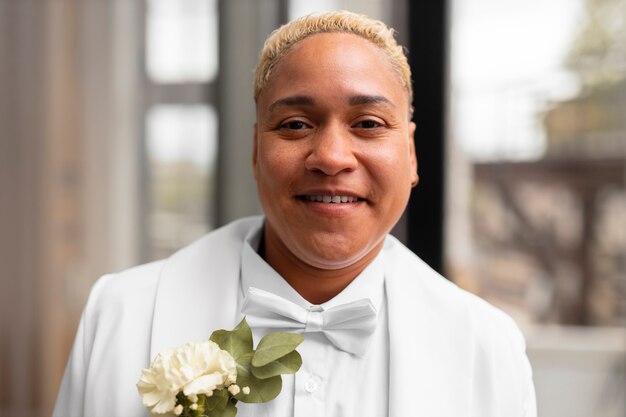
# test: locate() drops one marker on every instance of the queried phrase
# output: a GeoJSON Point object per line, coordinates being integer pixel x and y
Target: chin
{"type": "Point", "coordinates": [335, 257]}
{"type": "Point", "coordinates": [332, 264]}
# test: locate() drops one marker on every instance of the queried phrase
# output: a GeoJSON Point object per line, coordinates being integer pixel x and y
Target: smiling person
{"type": "Point", "coordinates": [334, 162]}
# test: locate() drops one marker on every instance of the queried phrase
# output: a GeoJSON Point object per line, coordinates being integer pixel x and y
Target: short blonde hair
{"type": "Point", "coordinates": [375, 31]}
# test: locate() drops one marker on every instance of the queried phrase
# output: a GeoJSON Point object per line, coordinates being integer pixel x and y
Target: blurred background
{"type": "Point", "coordinates": [126, 129]}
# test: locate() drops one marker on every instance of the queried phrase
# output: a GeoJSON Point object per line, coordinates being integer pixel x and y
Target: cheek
{"type": "Point", "coordinates": [276, 164]}
{"type": "Point", "coordinates": [391, 164]}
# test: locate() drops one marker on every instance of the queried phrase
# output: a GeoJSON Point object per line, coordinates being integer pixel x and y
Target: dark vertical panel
{"type": "Point", "coordinates": [145, 193]}
{"type": "Point", "coordinates": [244, 25]}
{"type": "Point", "coordinates": [283, 11]}
{"type": "Point", "coordinates": [427, 41]}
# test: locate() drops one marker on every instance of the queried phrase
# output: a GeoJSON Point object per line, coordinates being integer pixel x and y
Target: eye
{"type": "Point", "coordinates": [368, 124]}
{"type": "Point", "coordinates": [294, 125]}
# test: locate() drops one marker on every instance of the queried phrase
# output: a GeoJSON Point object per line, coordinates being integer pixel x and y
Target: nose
{"type": "Point", "coordinates": [332, 151]}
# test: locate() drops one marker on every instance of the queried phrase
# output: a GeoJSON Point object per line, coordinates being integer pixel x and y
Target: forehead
{"type": "Point", "coordinates": [324, 42]}
{"type": "Point", "coordinates": [333, 64]}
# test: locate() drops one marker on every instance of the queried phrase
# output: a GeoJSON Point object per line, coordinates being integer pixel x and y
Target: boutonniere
{"type": "Point", "coordinates": [208, 378]}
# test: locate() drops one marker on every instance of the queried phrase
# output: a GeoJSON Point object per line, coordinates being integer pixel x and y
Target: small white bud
{"type": "Point", "coordinates": [193, 398]}
{"type": "Point", "coordinates": [178, 410]}
{"type": "Point", "coordinates": [194, 406]}
{"type": "Point", "coordinates": [245, 390]}
{"type": "Point", "coordinates": [234, 389]}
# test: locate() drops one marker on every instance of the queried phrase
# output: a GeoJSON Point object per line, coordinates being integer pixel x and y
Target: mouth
{"type": "Point", "coordinates": [330, 199]}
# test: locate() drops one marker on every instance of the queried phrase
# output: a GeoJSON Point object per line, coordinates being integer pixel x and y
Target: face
{"type": "Point", "coordinates": [333, 151]}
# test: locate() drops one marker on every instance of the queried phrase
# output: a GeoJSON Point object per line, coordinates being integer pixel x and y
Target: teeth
{"type": "Point", "coordinates": [333, 199]}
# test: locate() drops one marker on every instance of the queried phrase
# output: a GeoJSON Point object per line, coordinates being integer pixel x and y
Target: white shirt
{"type": "Point", "coordinates": [331, 382]}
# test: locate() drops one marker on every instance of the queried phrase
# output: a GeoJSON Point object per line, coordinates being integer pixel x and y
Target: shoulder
{"type": "Point", "coordinates": [141, 282]}
{"type": "Point", "coordinates": [121, 306]}
{"type": "Point", "coordinates": [130, 283]}
{"type": "Point", "coordinates": [416, 276]}
{"type": "Point", "coordinates": [120, 309]}
{"type": "Point", "coordinates": [481, 342]}
{"type": "Point", "coordinates": [454, 309]}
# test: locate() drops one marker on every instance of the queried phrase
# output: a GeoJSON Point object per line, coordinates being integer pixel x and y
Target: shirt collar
{"type": "Point", "coordinates": [255, 272]}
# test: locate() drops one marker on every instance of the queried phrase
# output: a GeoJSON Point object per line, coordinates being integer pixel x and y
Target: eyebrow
{"type": "Point", "coordinates": [366, 99]}
{"type": "Point", "coordinates": [308, 101]}
{"type": "Point", "coordinates": [292, 101]}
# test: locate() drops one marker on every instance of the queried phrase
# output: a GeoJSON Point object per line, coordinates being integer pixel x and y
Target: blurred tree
{"type": "Point", "coordinates": [598, 55]}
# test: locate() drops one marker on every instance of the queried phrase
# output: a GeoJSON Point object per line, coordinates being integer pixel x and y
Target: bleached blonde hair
{"type": "Point", "coordinates": [375, 31]}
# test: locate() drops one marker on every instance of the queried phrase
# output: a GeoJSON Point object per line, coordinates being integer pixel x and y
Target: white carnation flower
{"type": "Point", "coordinates": [195, 368]}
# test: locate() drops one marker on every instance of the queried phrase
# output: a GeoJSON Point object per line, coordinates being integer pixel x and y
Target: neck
{"type": "Point", "coordinates": [316, 285]}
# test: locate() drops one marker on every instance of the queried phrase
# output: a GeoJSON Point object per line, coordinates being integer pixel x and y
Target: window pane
{"type": "Point", "coordinates": [181, 147]}
{"type": "Point", "coordinates": [182, 40]}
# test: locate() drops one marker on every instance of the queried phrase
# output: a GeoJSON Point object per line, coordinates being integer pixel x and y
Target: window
{"type": "Point", "coordinates": [181, 41]}
{"type": "Point", "coordinates": [536, 201]}
{"type": "Point", "coordinates": [180, 123]}
{"type": "Point", "coordinates": [181, 146]}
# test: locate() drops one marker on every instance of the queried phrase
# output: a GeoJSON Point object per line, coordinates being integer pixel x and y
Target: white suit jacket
{"type": "Point", "coordinates": [451, 354]}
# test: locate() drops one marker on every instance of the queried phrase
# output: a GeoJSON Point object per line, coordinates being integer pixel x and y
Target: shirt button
{"type": "Point", "coordinates": [310, 386]}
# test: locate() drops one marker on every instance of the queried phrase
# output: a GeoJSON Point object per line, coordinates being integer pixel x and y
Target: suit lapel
{"type": "Point", "coordinates": [198, 290]}
{"type": "Point", "coordinates": [430, 340]}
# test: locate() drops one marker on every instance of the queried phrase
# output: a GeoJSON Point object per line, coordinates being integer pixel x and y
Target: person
{"type": "Point", "coordinates": [334, 162]}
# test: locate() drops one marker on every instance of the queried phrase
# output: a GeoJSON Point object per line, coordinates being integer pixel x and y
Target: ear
{"type": "Point", "coordinates": [255, 148]}
{"type": "Point", "coordinates": [414, 176]}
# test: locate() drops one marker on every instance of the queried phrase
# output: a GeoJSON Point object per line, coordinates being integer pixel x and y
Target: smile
{"type": "Point", "coordinates": [334, 199]}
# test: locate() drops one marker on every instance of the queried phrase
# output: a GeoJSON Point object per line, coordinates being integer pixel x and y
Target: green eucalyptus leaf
{"type": "Point", "coordinates": [237, 342]}
{"type": "Point", "coordinates": [217, 401]}
{"type": "Point", "coordinates": [275, 345]}
{"type": "Point", "coordinates": [288, 364]}
{"type": "Point", "coordinates": [261, 390]}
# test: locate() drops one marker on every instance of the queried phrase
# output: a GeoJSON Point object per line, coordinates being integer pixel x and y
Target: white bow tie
{"type": "Point", "coordinates": [348, 326]}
